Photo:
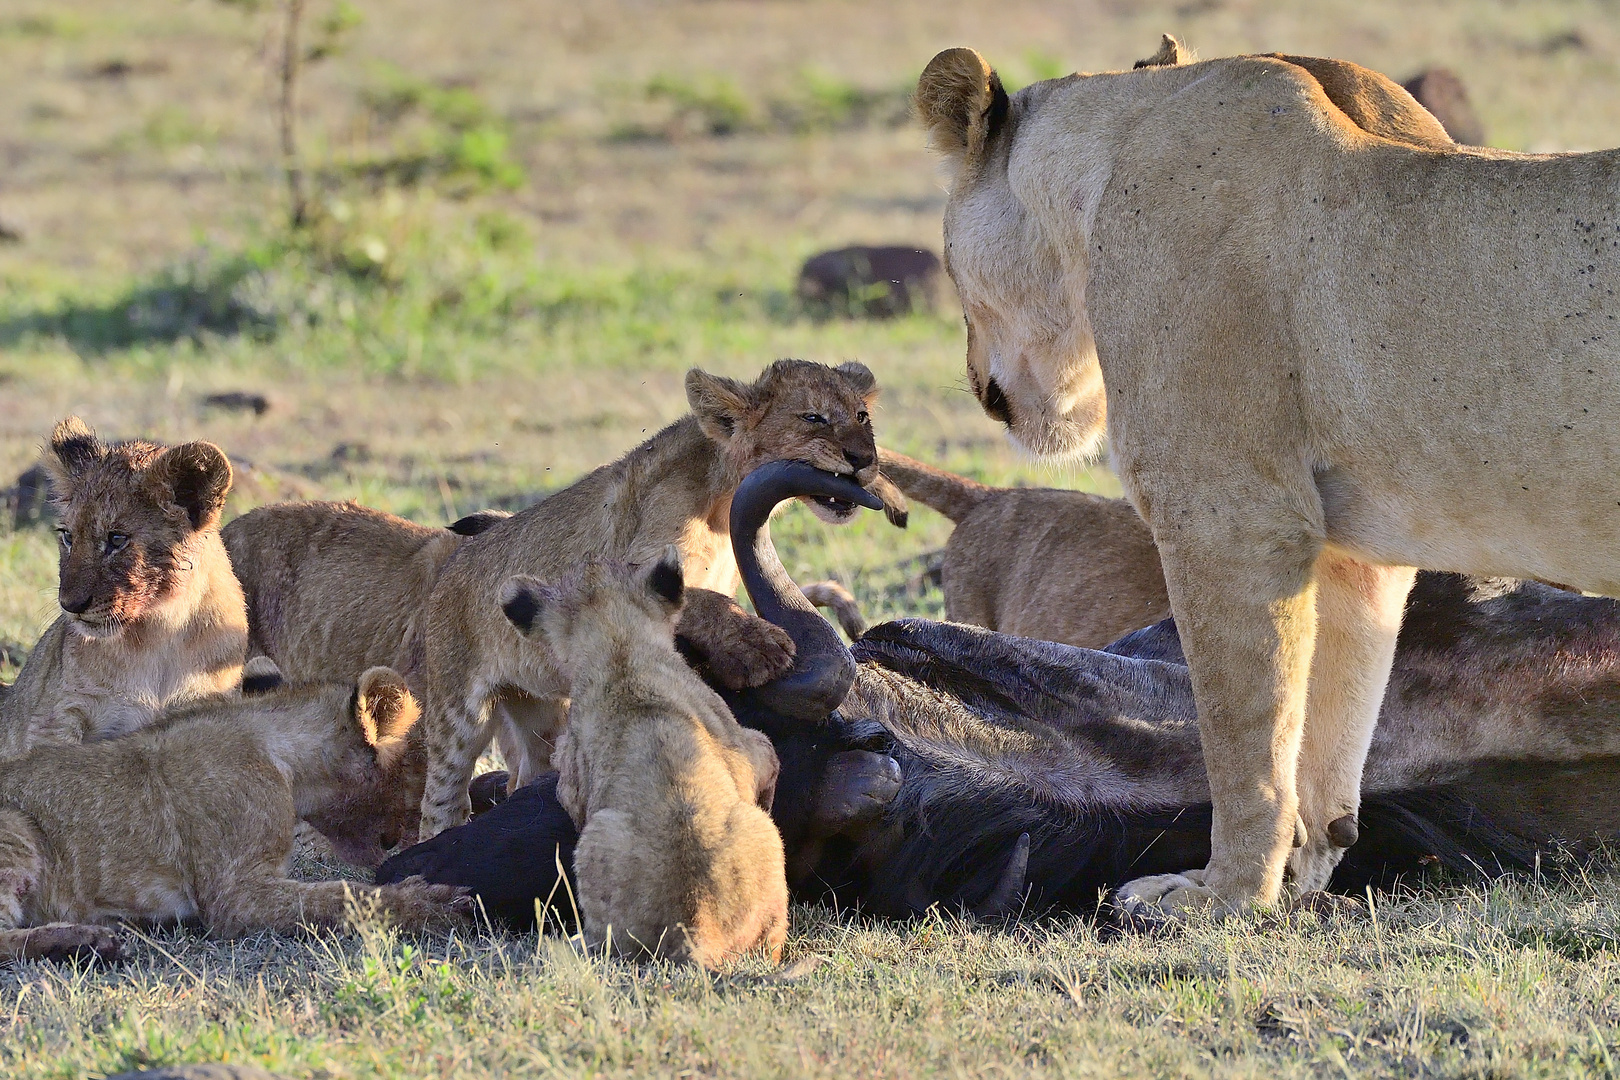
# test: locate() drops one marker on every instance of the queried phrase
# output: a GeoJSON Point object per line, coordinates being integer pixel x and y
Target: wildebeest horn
{"type": "Point", "coordinates": [1010, 889]}
{"type": "Point", "coordinates": [823, 671]}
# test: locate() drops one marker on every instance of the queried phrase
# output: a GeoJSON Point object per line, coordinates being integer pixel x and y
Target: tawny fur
{"type": "Point", "coordinates": [1039, 562]}
{"type": "Point", "coordinates": [677, 855]}
{"type": "Point", "coordinates": [1334, 345]}
{"type": "Point", "coordinates": [675, 488]}
{"type": "Point", "coordinates": [194, 815]}
{"type": "Point", "coordinates": [160, 617]}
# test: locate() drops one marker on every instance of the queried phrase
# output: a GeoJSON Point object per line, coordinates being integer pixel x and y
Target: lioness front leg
{"type": "Point", "coordinates": [1240, 576]}
{"type": "Point", "coordinates": [1358, 617]}
{"type": "Point", "coordinates": [526, 729]}
{"type": "Point", "coordinates": [742, 649]}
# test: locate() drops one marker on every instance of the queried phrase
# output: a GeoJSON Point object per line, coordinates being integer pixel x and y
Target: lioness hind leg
{"type": "Point", "coordinates": [1358, 611]}
{"type": "Point", "coordinates": [1239, 562]}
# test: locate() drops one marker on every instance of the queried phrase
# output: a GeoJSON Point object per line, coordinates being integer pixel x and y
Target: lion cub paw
{"type": "Point", "coordinates": [69, 941]}
{"type": "Point", "coordinates": [418, 904]}
{"type": "Point", "coordinates": [748, 651]}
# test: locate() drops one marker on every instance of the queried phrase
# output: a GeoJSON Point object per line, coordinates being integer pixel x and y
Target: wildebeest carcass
{"type": "Point", "coordinates": [939, 763]}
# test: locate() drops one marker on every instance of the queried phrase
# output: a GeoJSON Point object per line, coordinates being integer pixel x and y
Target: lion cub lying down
{"type": "Point", "coordinates": [194, 817]}
{"type": "Point", "coordinates": [676, 856]}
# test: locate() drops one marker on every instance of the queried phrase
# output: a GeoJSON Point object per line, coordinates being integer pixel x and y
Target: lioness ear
{"type": "Point", "coordinates": [961, 102]}
{"type": "Point", "coordinates": [523, 598]}
{"type": "Point", "coordinates": [1172, 53]}
{"type": "Point", "coordinates": [196, 476]}
{"type": "Point", "coordinates": [859, 377]}
{"type": "Point", "coordinates": [386, 710]}
{"type": "Point", "coordinates": [718, 403]}
{"type": "Point", "coordinates": [666, 581]}
{"type": "Point", "coordinates": [74, 449]}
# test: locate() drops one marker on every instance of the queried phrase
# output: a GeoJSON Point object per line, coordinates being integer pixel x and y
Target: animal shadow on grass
{"type": "Point", "coordinates": [188, 300]}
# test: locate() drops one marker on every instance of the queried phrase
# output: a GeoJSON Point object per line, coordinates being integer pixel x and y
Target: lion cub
{"type": "Point", "coordinates": [194, 816]}
{"type": "Point", "coordinates": [674, 488]}
{"type": "Point", "coordinates": [675, 856]}
{"type": "Point", "coordinates": [151, 612]}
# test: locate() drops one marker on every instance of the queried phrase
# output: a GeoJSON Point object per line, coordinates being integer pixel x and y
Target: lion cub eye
{"type": "Point", "coordinates": [116, 542]}
{"type": "Point", "coordinates": [861, 417]}
{"type": "Point", "coordinates": [812, 418]}
{"type": "Point", "coordinates": [66, 538]}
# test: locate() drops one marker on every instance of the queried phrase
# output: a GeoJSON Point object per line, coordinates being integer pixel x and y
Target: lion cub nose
{"type": "Point", "coordinates": [75, 605]}
{"type": "Point", "coordinates": [859, 459]}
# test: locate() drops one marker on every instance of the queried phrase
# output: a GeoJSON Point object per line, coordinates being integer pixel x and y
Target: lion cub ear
{"type": "Point", "coordinates": [960, 100]}
{"type": "Point", "coordinates": [720, 404]}
{"type": "Point", "coordinates": [195, 476]}
{"type": "Point", "coordinates": [386, 710]}
{"type": "Point", "coordinates": [860, 378]}
{"type": "Point", "coordinates": [666, 581]}
{"type": "Point", "coordinates": [74, 450]}
{"type": "Point", "coordinates": [1172, 53]}
{"type": "Point", "coordinates": [524, 599]}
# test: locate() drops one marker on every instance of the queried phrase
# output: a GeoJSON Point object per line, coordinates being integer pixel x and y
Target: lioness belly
{"type": "Point", "coordinates": [1462, 371]}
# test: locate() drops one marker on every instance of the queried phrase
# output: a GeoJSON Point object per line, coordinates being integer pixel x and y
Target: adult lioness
{"type": "Point", "coordinates": [151, 613]}
{"type": "Point", "coordinates": [1329, 356]}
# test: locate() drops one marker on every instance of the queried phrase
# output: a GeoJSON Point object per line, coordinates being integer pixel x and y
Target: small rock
{"type": "Point", "coordinates": [29, 500]}
{"type": "Point", "coordinates": [237, 401]}
{"type": "Point", "coordinates": [1441, 92]}
{"type": "Point", "coordinates": [871, 282]}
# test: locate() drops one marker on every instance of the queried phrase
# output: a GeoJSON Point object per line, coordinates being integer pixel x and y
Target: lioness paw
{"type": "Point", "coordinates": [1150, 902]}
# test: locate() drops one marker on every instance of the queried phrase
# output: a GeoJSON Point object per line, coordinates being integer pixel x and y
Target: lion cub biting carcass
{"type": "Point", "coordinates": [677, 855]}
{"type": "Point", "coordinates": [674, 488]}
{"type": "Point", "coordinates": [194, 815]}
{"type": "Point", "coordinates": [151, 612]}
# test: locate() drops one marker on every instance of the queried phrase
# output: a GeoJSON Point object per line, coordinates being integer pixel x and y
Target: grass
{"type": "Point", "coordinates": [1518, 980]}
{"type": "Point", "coordinates": [528, 223]}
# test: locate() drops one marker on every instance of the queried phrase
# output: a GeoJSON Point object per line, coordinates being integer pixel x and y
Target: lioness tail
{"type": "Point", "coordinates": [952, 495]}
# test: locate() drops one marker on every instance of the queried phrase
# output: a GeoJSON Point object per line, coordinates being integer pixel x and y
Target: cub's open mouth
{"type": "Point", "coordinates": [833, 504]}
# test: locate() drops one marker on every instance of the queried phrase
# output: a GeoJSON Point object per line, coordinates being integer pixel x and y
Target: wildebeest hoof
{"type": "Point", "coordinates": [71, 941]}
{"type": "Point", "coordinates": [856, 787]}
{"type": "Point", "coordinates": [1343, 831]}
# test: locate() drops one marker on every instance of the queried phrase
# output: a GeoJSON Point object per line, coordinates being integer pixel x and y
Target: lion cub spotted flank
{"type": "Point", "coordinates": [194, 817]}
{"type": "Point", "coordinates": [675, 856]}
{"type": "Point", "coordinates": [151, 612]}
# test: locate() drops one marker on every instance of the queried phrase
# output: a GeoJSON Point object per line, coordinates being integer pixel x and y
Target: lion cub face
{"type": "Point", "coordinates": [600, 609]}
{"type": "Point", "coordinates": [797, 411]}
{"type": "Point", "coordinates": [368, 798]}
{"type": "Point", "coordinates": [131, 516]}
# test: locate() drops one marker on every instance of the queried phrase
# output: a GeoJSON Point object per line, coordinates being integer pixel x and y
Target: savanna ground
{"type": "Point", "coordinates": [529, 217]}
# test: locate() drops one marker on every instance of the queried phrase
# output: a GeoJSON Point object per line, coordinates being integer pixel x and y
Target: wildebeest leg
{"type": "Point", "coordinates": [1239, 561]}
{"type": "Point", "coordinates": [1358, 612]}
